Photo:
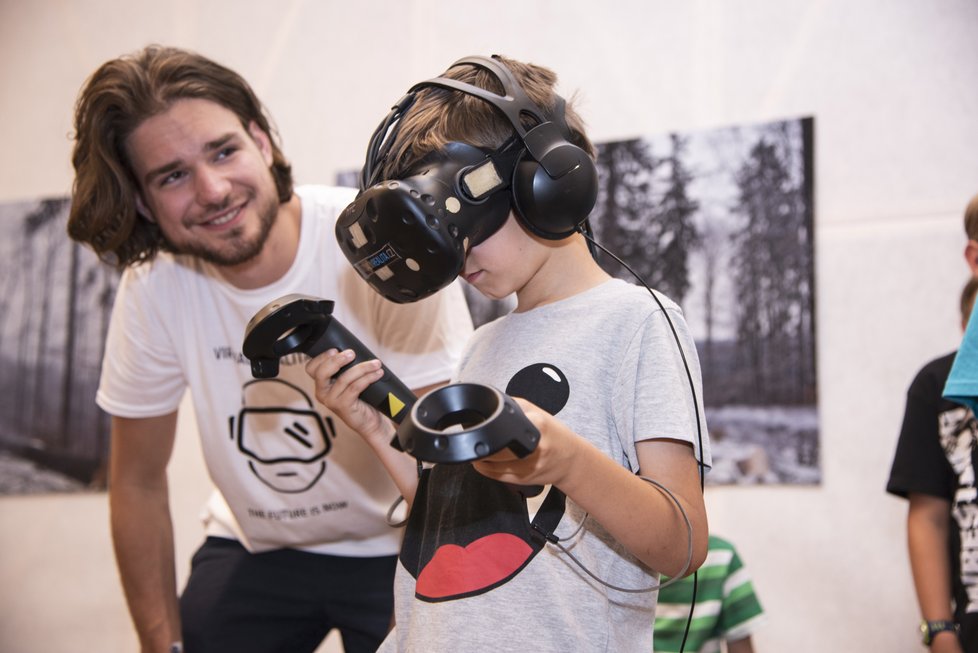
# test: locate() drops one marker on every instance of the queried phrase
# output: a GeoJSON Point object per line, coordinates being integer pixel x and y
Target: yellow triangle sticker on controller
{"type": "Point", "coordinates": [395, 404]}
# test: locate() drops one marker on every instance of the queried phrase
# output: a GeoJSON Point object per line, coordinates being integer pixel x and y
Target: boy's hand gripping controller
{"type": "Point", "coordinates": [299, 323]}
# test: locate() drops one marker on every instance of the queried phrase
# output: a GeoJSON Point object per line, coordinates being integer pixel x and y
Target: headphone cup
{"type": "Point", "coordinates": [555, 208]}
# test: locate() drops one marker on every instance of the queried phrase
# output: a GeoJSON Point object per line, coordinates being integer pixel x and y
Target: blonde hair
{"type": "Point", "coordinates": [440, 116]}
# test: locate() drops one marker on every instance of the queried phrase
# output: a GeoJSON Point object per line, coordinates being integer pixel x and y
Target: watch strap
{"type": "Point", "coordinates": [928, 629]}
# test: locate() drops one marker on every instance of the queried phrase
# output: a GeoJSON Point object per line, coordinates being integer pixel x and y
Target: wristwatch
{"type": "Point", "coordinates": [930, 628]}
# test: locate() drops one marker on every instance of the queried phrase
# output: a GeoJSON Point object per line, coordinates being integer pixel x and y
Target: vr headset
{"type": "Point", "coordinates": [408, 238]}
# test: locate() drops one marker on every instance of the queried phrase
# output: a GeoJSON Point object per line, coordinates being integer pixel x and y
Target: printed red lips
{"type": "Point", "coordinates": [457, 571]}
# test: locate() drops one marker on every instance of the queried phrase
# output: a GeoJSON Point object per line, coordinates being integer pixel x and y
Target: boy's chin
{"type": "Point", "coordinates": [489, 294]}
{"type": "Point", "coordinates": [487, 291]}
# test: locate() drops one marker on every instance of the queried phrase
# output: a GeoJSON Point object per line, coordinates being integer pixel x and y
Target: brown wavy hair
{"type": "Point", "coordinates": [114, 101]}
{"type": "Point", "coordinates": [439, 116]}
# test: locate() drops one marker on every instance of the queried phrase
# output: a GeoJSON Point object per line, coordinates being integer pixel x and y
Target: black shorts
{"type": "Point", "coordinates": [284, 600]}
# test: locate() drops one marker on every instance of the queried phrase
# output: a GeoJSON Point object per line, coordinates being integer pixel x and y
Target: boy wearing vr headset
{"type": "Point", "coordinates": [484, 172]}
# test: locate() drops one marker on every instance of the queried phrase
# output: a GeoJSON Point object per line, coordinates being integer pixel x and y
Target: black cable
{"type": "Point", "coordinates": [381, 141]}
{"type": "Point", "coordinates": [675, 335]}
{"type": "Point", "coordinates": [586, 232]}
{"type": "Point", "coordinates": [556, 541]}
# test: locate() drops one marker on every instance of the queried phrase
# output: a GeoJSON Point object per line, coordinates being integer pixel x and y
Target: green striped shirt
{"type": "Point", "coordinates": [726, 606]}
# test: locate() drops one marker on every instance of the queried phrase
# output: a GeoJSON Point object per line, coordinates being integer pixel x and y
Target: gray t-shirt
{"type": "Point", "coordinates": [471, 576]}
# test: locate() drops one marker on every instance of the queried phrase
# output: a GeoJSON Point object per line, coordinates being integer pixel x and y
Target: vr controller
{"type": "Point", "coordinates": [451, 424]}
{"type": "Point", "coordinates": [462, 422]}
{"type": "Point", "coordinates": [299, 323]}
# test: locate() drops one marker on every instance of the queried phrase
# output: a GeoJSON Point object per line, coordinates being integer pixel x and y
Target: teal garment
{"type": "Point", "coordinates": [962, 382]}
{"type": "Point", "coordinates": [726, 606]}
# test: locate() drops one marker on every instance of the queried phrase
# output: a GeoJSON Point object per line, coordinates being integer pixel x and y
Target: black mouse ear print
{"type": "Point", "coordinates": [543, 384]}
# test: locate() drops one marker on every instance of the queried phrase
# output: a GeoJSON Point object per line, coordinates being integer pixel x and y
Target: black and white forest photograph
{"type": "Point", "coordinates": [720, 221]}
{"type": "Point", "coordinates": [55, 302]}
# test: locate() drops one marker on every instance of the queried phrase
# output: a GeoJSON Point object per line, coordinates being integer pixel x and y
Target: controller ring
{"type": "Point", "coordinates": [489, 421]}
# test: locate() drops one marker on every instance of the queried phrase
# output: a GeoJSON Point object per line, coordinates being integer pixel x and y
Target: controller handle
{"type": "Point", "coordinates": [300, 323]}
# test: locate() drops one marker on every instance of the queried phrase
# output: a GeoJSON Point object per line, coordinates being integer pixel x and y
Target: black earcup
{"type": "Point", "coordinates": [553, 197]}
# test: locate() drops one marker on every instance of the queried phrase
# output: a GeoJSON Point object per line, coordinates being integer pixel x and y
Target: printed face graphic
{"type": "Point", "coordinates": [481, 545]}
{"type": "Point", "coordinates": [284, 440]}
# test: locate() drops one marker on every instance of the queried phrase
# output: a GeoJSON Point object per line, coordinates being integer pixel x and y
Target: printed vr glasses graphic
{"type": "Point", "coordinates": [283, 437]}
{"type": "Point", "coordinates": [451, 424]}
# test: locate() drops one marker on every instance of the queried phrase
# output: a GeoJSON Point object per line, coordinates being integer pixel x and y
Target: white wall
{"type": "Point", "coordinates": [892, 86]}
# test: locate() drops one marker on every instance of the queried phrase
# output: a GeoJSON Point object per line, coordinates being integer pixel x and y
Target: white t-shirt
{"type": "Point", "coordinates": [287, 473]}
